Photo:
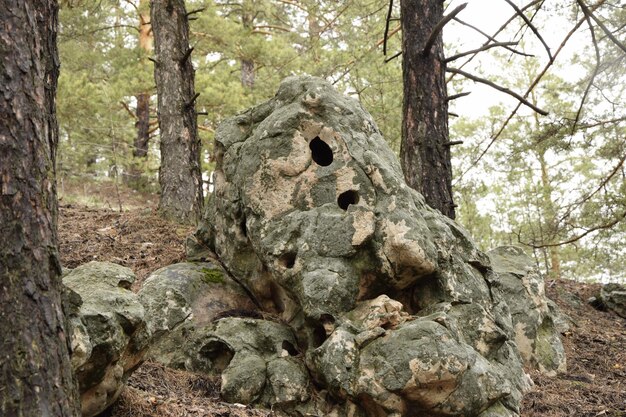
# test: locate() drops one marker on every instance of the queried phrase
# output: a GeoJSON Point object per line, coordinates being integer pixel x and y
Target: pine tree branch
{"type": "Point", "coordinates": [532, 27]}
{"type": "Point", "coordinates": [201, 9]}
{"type": "Point", "coordinates": [393, 32]}
{"type": "Point", "coordinates": [459, 95]}
{"type": "Point", "coordinates": [192, 101]}
{"type": "Point", "coordinates": [500, 29]}
{"type": "Point", "coordinates": [132, 114]}
{"type": "Point", "coordinates": [492, 39]}
{"type": "Point", "coordinates": [387, 21]}
{"type": "Point", "coordinates": [593, 75]}
{"type": "Point", "coordinates": [482, 48]}
{"type": "Point", "coordinates": [606, 31]}
{"type": "Point", "coordinates": [530, 88]}
{"type": "Point", "coordinates": [576, 238]}
{"type": "Point", "coordinates": [499, 88]}
{"type": "Point", "coordinates": [186, 56]}
{"type": "Point", "coordinates": [394, 56]}
{"type": "Point", "coordinates": [439, 27]}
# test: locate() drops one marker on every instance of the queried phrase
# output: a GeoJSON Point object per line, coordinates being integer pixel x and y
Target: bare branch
{"type": "Point", "coordinates": [393, 32]}
{"type": "Point", "coordinates": [532, 27]}
{"type": "Point", "coordinates": [459, 95]}
{"type": "Point", "coordinates": [530, 88]}
{"type": "Point", "coordinates": [280, 28]}
{"type": "Point", "coordinates": [387, 20]}
{"type": "Point", "coordinates": [606, 31]}
{"type": "Point", "coordinates": [482, 48]}
{"type": "Point", "coordinates": [603, 183]}
{"type": "Point", "coordinates": [201, 9]}
{"type": "Point", "coordinates": [593, 74]}
{"type": "Point", "coordinates": [393, 57]}
{"type": "Point", "coordinates": [500, 29]}
{"type": "Point", "coordinates": [192, 101]}
{"type": "Point", "coordinates": [576, 238]}
{"type": "Point", "coordinates": [499, 88]}
{"type": "Point", "coordinates": [132, 114]}
{"type": "Point", "coordinates": [515, 51]}
{"type": "Point", "coordinates": [439, 26]}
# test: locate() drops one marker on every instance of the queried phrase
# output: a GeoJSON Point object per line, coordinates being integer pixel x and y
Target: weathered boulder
{"type": "Point", "coordinates": [396, 311]}
{"type": "Point", "coordinates": [179, 299]}
{"type": "Point", "coordinates": [536, 332]}
{"type": "Point", "coordinates": [108, 331]}
{"type": "Point", "coordinates": [614, 297]}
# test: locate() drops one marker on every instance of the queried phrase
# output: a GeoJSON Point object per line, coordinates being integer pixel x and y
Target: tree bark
{"type": "Point", "coordinates": [136, 176]}
{"type": "Point", "coordinates": [35, 372]}
{"type": "Point", "coordinates": [180, 174]}
{"type": "Point", "coordinates": [140, 148]}
{"type": "Point", "coordinates": [247, 64]}
{"type": "Point", "coordinates": [424, 151]}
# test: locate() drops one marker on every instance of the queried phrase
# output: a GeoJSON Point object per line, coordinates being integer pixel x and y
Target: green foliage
{"type": "Point", "coordinates": [543, 181]}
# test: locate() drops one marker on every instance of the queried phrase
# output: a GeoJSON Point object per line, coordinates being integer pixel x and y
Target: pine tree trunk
{"type": "Point", "coordinates": [35, 373]}
{"type": "Point", "coordinates": [180, 174]}
{"type": "Point", "coordinates": [136, 176]}
{"type": "Point", "coordinates": [140, 148]}
{"type": "Point", "coordinates": [247, 64]}
{"type": "Point", "coordinates": [425, 152]}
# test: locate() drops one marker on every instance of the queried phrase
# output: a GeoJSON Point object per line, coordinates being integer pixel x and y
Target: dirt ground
{"type": "Point", "coordinates": [594, 385]}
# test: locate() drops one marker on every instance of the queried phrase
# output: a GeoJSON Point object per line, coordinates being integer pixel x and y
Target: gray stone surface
{"type": "Point", "coordinates": [184, 297]}
{"type": "Point", "coordinates": [108, 331]}
{"type": "Point", "coordinates": [394, 309]}
{"type": "Point", "coordinates": [614, 297]}
{"type": "Point", "coordinates": [534, 317]}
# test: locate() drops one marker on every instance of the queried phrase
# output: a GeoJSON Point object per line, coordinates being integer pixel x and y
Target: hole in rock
{"type": "Point", "coordinates": [290, 348]}
{"type": "Point", "coordinates": [242, 227]}
{"type": "Point", "coordinates": [327, 319]}
{"type": "Point", "coordinates": [288, 260]}
{"type": "Point", "coordinates": [321, 152]}
{"type": "Point", "coordinates": [318, 336]}
{"type": "Point", "coordinates": [346, 198]}
{"type": "Point", "coordinates": [219, 353]}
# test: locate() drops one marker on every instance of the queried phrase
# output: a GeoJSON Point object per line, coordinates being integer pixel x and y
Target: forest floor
{"type": "Point", "coordinates": [593, 386]}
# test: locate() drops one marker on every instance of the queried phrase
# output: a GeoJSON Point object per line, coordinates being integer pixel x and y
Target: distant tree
{"type": "Point", "coordinates": [35, 373]}
{"type": "Point", "coordinates": [180, 176]}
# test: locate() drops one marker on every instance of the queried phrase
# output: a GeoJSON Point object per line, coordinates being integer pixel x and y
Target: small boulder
{"type": "Point", "coordinates": [614, 297]}
{"type": "Point", "coordinates": [183, 297]}
{"type": "Point", "coordinates": [109, 335]}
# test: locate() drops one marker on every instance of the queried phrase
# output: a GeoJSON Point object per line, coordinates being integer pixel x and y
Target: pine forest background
{"type": "Point", "coordinates": [554, 184]}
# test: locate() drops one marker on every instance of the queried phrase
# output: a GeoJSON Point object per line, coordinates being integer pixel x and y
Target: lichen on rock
{"type": "Point", "coordinates": [391, 307]}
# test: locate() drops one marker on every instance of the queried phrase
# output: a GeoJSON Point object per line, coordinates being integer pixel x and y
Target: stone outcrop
{"type": "Point", "coordinates": [613, 296]}
{"type": "Point", "coordinates": [108, 331]}
{"type": "Point", "coordinates": [370, 302]}
{"type": "Point", "coordinates": [534, 319]}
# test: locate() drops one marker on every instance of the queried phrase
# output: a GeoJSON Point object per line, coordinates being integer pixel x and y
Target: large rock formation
{"type": "Point", "coordinates": [108, 332]}
{"type": "Point", "coordinates": [384, 303]}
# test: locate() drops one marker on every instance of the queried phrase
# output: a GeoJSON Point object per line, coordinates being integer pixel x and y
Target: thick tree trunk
{"type": "Point", "coordinates": [180, 175]}
{"type": "Point", "coordinates": [35, 373]}
{"type": "Point", "coordinates": [425, 152]}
